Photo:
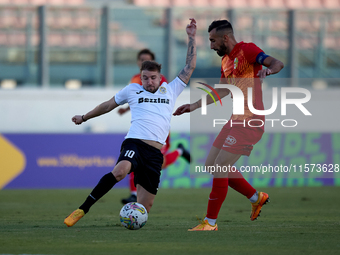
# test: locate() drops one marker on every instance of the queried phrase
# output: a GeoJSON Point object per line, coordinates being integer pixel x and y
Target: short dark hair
{"type": "Point", "coordinates": [146, 51]}
{"type": "Point", "coordinates": [220, 25]}
{"type": "Point", "coordinates": [151, 66]}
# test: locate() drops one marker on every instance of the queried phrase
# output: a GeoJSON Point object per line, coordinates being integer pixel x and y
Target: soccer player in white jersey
{"type": "Point", "coordinates": [151, 110]}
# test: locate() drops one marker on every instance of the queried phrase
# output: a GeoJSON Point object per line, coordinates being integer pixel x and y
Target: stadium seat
{"type": "Point", "coordinates": [238, 3]}
{"type": "Point", "coordinates": [35, 39]}
{"type": "Point", "coordinates": [65, 20]}
{"type": "Point", "coordinates": [181, 3]}
{"type": "Point", "coordinates": [5, 20]}
{"type": "Point", "coordinates": [244, 22]}
{"type": "Point", "coordinates": [125, 40]}
{"type": "Point", "coordinates": [304, 43]}
{"type": "Point", "coordinates": [279, 25]}
{"type": "Point", "coordinates": [20, 2]}
{"type": "Point", "coordinates": [91, 40]}
{"type": "Point", "coordinates": [308, 25]}
{"type": "Point", "coordinates": [331, 4]}
{"type": "Point", "coordinates": [200, 3]}
{"type": "Point", "coordinates": [313, 4]}
{"type": "Point", "coordinates": [275, 4]}
{"type": "Point", "coordinates": [3, 38]}
{"type": "Point", "coordinates": [73, 40]}
{"type": "Point", "coordinates": [257, 3]}
{"type": "Point", "coordinates": [161, 3]}
{"type": "Point", "coordinates": [56, 2]}
{"type": "Point", "coordinates": [55, 39]}
{"type": "Point", "coordinates": [333, 25]}
{"type": "Point", "coordinates": [37, 2]}
{"type": "Point", "coordinates": [294, 4]}
{"type": "Point", "coordinates": [142, 2]}
{"type": "Point", "coordinates": [74, 2]}
{"type": "Point", "coordinates": [16, 39]}
{"type": "Point", "coordinates": [220, 3]}
{"type": "Point", "coordinates": [20, 21]}
{"type": "Point", "coordinates": [331, 43]}
{"type": "Point", "coordinates": [81, 21]}
{"type": "Point", "coordinates": [277, 42]}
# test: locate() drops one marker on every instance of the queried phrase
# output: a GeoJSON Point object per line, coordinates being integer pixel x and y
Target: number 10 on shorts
{"type": "Point", "coordinates": [129, 153]}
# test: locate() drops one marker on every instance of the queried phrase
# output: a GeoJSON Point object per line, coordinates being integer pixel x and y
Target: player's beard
{"type": "Point", "coordinates": [151, 89]}
{"type": "Point", "coordinates": [222, 50]}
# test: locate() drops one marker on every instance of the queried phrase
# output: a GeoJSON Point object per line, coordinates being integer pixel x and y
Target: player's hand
{"type": "Point", "coordinates": [191, 28]}
{"type": "Point", "coordinates": [121, 111]}
{"type": "Point", "coordinates": [263, 73]}
{"type": "Point", "coordinates": [185, 108]}
{"type": "Point", "coordinates": [77, 119]}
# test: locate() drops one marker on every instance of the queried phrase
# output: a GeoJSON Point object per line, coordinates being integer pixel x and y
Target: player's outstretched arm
{"type": "Point", "coordinates": [189, 68]}
{"type": "Point", "coordinates": [103, 108]}
{"type": "Point", "coordinates": [273, 66]}
{"type": "Point", "coordinates": [192, 107]}
{"type": "Point", "coordinates": [185, 108]}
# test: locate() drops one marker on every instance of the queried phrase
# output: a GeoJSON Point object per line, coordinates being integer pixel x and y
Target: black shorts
{"type": "Point", "coordinates": [146, 163]}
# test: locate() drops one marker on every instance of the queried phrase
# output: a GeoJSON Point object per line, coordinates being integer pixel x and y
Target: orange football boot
{"type": "Point", "coordinates": [74, 217]}
{"type": "Point", "coordinates": [204, 226]}
{"type": "Point", "coordinates": [256, 207]}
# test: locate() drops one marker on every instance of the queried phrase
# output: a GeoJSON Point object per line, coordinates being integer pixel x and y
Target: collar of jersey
{"type": "Point", "coordinates": [235, 49]}
{"type": "Point", "coordinates": [150, 92]}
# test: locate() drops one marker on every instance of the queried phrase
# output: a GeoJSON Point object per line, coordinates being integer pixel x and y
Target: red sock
{"type": "Point", "coordinates": [132, 183]}
{"type": "Point", "coordinates": [238, 183]}
{"type": "Point", "coordinates": [171, 158]}
{"type": "Point", "coordinates": [217, 196]}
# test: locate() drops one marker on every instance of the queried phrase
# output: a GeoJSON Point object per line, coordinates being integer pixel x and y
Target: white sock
{"type": "Point", "coordinates": [254, 198]}
{"type": "Point", "coordinates": [212, 222]}
{"type": "Point", "coordinates": [180, 151]}
{"type": "Point", "coordinates": [134, 193]}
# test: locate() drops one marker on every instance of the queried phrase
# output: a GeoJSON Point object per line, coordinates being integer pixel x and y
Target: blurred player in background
{"type": "Point", "coordinates": [151, 105]}
{"type": "Point", "coordinates": [169, 157]}
{"type": "Point", "coordinates": [241, 64]}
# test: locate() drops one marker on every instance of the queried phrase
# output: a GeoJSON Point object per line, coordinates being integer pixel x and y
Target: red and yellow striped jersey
{"type": "Point", "coordinates": [240, 68]}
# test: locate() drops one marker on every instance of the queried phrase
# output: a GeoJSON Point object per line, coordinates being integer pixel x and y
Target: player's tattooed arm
{"type": "Point", "coordinates": [190, 64]}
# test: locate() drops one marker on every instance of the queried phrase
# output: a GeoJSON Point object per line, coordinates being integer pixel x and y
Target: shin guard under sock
{"type": "Point", "coordinates": [238, 183]}
{"type": "Point", "coordinates": [217, 196]}
{"type": "Point", "coordinates": [104, 185]}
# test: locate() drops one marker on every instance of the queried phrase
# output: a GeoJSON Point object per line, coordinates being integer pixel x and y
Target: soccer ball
{"type": "Point", "coordinates": [133, 216]}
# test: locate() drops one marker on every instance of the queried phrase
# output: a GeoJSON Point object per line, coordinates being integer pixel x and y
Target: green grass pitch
{"type": "Point", "coordinates": [296, 221]}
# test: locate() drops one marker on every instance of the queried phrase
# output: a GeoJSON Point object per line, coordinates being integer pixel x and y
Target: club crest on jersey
{"type": "Point", "coordinates": [162, 90]}
{"type": "Point", "coordinates": [153, 100]}
{"type": "Point", "coordinates": [235, 63]}
{"type": "Point", "coordinates": [230, 140]}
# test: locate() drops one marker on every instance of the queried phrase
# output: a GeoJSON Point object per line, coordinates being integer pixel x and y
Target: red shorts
{"type": "Point", "coordinates": [164, 149]}
{"type": "Point", "coordinates": [238, 139]}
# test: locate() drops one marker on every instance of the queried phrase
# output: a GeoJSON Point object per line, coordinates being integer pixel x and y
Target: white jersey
{"type": "Point", "coordinates": [150, 112]}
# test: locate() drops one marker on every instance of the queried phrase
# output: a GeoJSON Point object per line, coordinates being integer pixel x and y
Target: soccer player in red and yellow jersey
{"type": "Point", "coordinates": [169, 157]}
{"type": "Point", "coordinates": [242, 67]}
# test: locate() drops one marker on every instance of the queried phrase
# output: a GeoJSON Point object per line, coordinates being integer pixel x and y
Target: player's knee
{"type": "Point", "coordinates": [121, 170]}
{"type": "Point", "coordinates": [208, 164]}
{"type": "Point", "coordinates": [120, 173]}
{"type": "Point", "coordinates": [220, 161]}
